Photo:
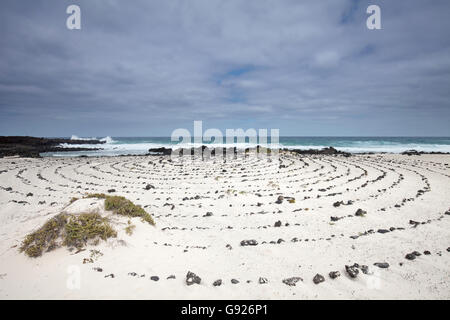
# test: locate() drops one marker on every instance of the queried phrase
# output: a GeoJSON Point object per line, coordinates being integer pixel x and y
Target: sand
{"type": "Point", "coordinates": [241, 197]}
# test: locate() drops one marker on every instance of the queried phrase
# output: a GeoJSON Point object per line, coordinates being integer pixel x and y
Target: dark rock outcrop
{"type": "Point", "coordinates": [32, 147]}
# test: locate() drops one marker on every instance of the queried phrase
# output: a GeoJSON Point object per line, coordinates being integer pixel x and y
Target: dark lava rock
{"type": "Point", "coordinates": [352, 271]}
{"type": "Point", "coordinates": [334, 274]}
{"type": "Point", "coordinates": [32, 147]}
{"type": "Point", "coordinates": [318, 278]}
{"type": "Point", "coordinates": [234, 281]}
{"type": "Point", "coordinates": [192, 278]}
{"type": "Point", "coordinates": [337, 204]}
{"type": "Point", "coordinates": [382, 265]}
{"type": "Point", "coordinates": [154, 278]}
{"type": "Point", "coordinates": [217, 283]}
{"type": "Point", "coordinates": [277, 224]}
{"type": "Point", "coordinates": [292, 281]}
{"type": "Point", "coordinates": [249, 243]}
{"type": "Point", "coordinates": [360, 213]}
{"type": "Point", "coordinates": [262, 280]}
{"type": "Point", "coordinates": [410, 256]}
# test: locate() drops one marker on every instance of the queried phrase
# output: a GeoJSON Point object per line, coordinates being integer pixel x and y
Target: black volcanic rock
{"type": "Point", "coordinates": [32, 147]}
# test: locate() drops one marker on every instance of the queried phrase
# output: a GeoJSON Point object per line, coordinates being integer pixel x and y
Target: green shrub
{"type": "Point", "coordinates": [72, 230]}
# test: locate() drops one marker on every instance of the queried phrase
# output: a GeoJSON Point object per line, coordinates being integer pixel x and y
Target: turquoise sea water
{"type": "Point", "coordinates": [140, 145]}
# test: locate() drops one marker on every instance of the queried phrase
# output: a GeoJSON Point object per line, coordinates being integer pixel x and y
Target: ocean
{"type": "Point", "coordinates": [139, 145]}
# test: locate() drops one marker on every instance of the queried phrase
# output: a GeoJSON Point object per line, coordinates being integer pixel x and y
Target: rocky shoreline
{"type": "Point", "coordinates": [32, 147]}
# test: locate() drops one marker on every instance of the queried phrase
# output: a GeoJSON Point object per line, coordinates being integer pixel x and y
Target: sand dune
{"type": "Point", "coordinates": [205, 209]}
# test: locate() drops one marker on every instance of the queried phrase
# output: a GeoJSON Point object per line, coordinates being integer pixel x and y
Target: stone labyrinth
{"type": "Point", "coordinates": [296, 210]}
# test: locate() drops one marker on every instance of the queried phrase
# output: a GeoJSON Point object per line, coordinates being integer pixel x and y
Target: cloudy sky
{"type": "Point", "coordinates": [145, 68]}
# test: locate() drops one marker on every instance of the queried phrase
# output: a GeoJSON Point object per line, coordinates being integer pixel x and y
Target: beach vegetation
{"type": "Point", "coordinates": [73, 231]}
{"type": "Point", "coordinates": [122, 206]}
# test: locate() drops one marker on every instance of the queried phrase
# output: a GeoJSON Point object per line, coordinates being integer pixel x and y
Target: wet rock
{"type": "Point", "coordinates": [234, 281]}
{"type": "Point", "coordinates": [360, 213]}
{"type": "Point", "coordinates": [192, 278]}
{"type": "Point", "coordinates": [154, 278]}
{"type": "Point", "coordinates": [352, 271]}
{"type": "Point", "coordinates": [217, 283]}
{"type": "Point", "coordinates": [382, 265]}
{"type": "Point", "coordinates": [292, 281]}
{"type": "Point", "coordinates": [262, 280]}
{"type": "Point", "coordinates": [334, 274]}
{"type": "Point", "coordinates": [249, 243]}
{"type": "Point", "coordinates": [318, 278]}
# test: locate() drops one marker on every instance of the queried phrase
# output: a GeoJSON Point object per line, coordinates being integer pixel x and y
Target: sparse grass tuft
{"type": "Point", "coordinates": [130, 228]}
{"type": "Point", "coordinates": [97, 195]}
{"type": "Point", "coordinates": [73, 200]}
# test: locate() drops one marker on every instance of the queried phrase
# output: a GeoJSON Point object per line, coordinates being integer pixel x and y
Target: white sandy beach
{"type": "Point", "coordinates": [241, 195]}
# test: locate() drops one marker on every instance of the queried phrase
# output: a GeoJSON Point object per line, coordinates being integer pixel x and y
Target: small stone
{"type": "Point", "coordinates": [410, 256]}
{"type": "Point", "coordinates": [133, 274]}
{"type": "Point", "coordinates": [318, 278]}
{"type": "Point", "coordinates": [334, 274]}
{"type": "Point", "coordinates": [365, 269]}
{"type": "Point", "coordinates": [98, 269]}
{"type": "Point", "coordinates": [149, 186]}
{"type": "Point", "coordinates": [217, 283]}
{"type": "Point", "coordinates": [360, 213]}
{"type": "Point", "coordinates": [192, 278]}
{"type": "Point", "coordinates": [277, 224]}
{"type": "Point", "coordinates": [111, 190]}
{"type": "Point", "coordinates": [262, 280]}
{"type": "Point", "coordinates": [426, 252]}
{"type": "Point", "coordinates": [416, 253]}
{"type": "Point", "coordinates": [448, 249]}
{"type": "Point", "coordinates": [292, 281]}
{"type": "Point", "coordinates": [29, 194]}
{"type": "Point", "coordinates": [229, 247]}
{"type": "Point", "coordinates": [382, 265]}
{"type": "Point", "coordinates": [352, 271]}
{"type": "Point", "coordinates": [234, 281]}
{"type": "Point", "coordinates": [249, 243]}
{"type": "Point", "coordinates": [383, 231]}
{"type": "Point", "coordinates": [111, 275]}
{"type": "Point", "coordinates": [279, 200]}
{"type": "Point", "coordinates": [154, 278]}
{"type": "Point", "coordinates": [171, 277]}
